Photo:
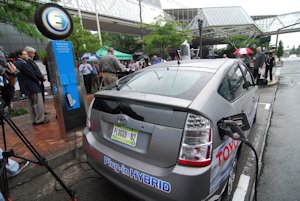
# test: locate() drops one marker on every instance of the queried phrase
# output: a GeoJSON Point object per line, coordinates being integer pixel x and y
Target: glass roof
{"type": "Point", "coordinates": [121, 9]}
{"type": "Point", "coordinates": [271, 24]}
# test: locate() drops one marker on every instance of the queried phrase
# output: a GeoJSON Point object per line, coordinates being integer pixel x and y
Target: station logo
{"type": "Point", "coordinates": [53, 21]}
{"type": "Point", "coordinates": [57, 20]}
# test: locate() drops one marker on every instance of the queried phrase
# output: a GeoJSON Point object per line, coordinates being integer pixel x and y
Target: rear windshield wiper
{"type": "Point", "coordinates": [118, 86]}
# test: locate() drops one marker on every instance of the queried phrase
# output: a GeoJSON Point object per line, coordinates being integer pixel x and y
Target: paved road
{"type": "Point", "coordinates": [280, 178]}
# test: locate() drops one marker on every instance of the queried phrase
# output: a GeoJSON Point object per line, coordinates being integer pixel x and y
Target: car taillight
{"type": "Point", "coordinates": [88, 115]}
{"type": "Point", "coordinates": [196, 145]}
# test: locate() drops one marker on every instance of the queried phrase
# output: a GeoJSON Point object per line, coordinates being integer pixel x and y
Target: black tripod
{"type": "Point", "coordinates": [9, 153]}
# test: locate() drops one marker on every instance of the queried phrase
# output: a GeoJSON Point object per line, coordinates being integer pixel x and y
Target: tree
{"type": "Point", "coordinates": [18, 13]}
{"type": "Point", "coordinates": [279, 52]}
{"type": "Point", "coordinates": [239, 41]}
{"type": "Point", "coordinates": [298, 50]}
{"type": "Point", "coordinates": [122, 42]}
{"type": "Point", "coordinates": [166, 34]}
{"type": "Point", "coordinates": [293, 51]}
{"type": "Point", "coordinates": [83, 40]}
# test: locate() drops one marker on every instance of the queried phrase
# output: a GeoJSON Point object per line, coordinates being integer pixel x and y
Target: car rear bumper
{"type": "Point", "coordinates": [144, 180]}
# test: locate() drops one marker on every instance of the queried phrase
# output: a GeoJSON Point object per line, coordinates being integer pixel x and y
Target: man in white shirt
{"type": "Point", "coordinates": [133, 66]}
{"type": "Point", "coordinates": [86, 70]}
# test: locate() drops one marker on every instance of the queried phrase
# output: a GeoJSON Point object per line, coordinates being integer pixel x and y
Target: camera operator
{"type": "Point", "coordinates": [8, 71]}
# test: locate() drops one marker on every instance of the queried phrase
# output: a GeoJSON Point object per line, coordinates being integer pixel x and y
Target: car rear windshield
{"type": "Point", "coordinates": [178, 83]}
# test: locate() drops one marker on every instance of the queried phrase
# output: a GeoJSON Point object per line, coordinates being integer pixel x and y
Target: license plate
{"type": "Point", "coordinates": [125, 135]}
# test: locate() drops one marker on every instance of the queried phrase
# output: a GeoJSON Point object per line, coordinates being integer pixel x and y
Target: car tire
{"type": "Point", "coordinates": [228, 192]}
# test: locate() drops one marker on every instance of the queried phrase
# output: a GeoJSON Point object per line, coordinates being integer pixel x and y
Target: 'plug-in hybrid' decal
{"type": "Point", "coordinates": [138, 176]}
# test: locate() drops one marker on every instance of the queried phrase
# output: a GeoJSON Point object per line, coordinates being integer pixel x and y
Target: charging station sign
{"type": "Point", "coordinates": [65, 65]}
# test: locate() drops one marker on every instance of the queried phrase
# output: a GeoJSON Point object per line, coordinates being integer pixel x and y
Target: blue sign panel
{"type": "Point", "coordinates": [63, 53]}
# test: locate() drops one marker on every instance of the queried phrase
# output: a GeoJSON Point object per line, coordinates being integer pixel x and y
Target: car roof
{"type": "Point", "coordinates": [212, 64]}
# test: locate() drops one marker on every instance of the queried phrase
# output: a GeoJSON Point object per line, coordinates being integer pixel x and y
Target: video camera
{"type": "Point", "coordinates": [6, 91]}
{"type": "Point", "coordinates": [4, 59]}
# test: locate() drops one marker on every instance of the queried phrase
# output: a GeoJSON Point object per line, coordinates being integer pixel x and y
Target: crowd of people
{"type": "Point", "coordinates": [263, 64]}
{"type": "Point", "coordinates": [108, 69]}
{"type": "Point", "coordinates": [31, 82]}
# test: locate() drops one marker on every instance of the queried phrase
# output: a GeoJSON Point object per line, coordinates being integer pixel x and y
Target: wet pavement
{"type": "Point", "coordinates": [280, 178]}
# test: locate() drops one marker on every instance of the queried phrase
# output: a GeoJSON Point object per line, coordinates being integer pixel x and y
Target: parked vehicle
{"type": "Point", "coordinates": [155, 133]}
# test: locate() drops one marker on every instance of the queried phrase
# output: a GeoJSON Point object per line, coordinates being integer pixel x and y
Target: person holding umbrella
{"type": "Point", "coordinates": [244, 51]}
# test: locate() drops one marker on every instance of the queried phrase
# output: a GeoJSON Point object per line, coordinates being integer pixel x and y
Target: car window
{"type": "Point", "coordinates": [247, 74]}
{"type": "Point", "coordinates": [236, 81]}
{"type": "Point", "coordinates": [233, 85]}
{"type": "Point", "coordinates": [179, 83]}
{"type": "Point", "coordinates": [225, 90]}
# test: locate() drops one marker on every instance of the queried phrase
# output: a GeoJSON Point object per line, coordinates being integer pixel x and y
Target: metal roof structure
{"type": "Point", "coordinates": [114, 16]}
{"type": "Point", "coordinates": [285, 23]}
{"type": "Point", "coordinates": [221, 22]}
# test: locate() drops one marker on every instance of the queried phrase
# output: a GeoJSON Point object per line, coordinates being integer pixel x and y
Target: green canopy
{"type": "Point", "coordinates": [120, 55]}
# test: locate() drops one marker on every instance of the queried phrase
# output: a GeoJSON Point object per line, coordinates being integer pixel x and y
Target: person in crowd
{"type": "Point", "coordinates": [259, 60]}
{"type": "Point", "coordinates": [270, 63]}
{"type": "Point", "coordinates": [30, 83]}
{"type": "Point", "coordinates": [31, 55]}
{"type": "Point", "coordinates": [247, 60]}
{"type": "Point", "coordinates": [155, 60]}
{"type": "Point", "coordinates": [145, 63]}
{"type": "Point", "coordinates": [109, 65]}
{"type": "Point", "coordinates": [86, 70]}
{"type": "Point", "coordinates": [45, 62]}
{"type": "Point", "coordinates": [95, 78]}
{"type": "Point", "coordinates": [133, 66]}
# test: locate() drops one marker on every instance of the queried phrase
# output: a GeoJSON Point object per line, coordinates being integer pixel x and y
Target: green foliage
{"type": "Point", "coordinates": [293, 50]}
{"type": "Point", "coordinates": [18, 13]}
{"type": "Point", "coordinates": [121, 42]}
{"type": "Point", "coordinates": [166, 34]}
{"type": "Point", "coordinates": [298, 50]}
{"type": "Point", "coordinates": [17, 112]}
{"type": "Point", "coordinates": [279, 52]}
{"type": "Point", "coordinates": [240, 41]}
{"type": "Point", "coordinates": [42, 55]}
{"type": "Point", "coordinates": [83, 40]}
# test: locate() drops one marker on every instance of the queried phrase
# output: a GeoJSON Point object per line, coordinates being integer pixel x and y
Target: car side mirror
{"type": "Point", "coordinates": [234, 126]}
{"type": "Point", "coordinates": [247, 84]}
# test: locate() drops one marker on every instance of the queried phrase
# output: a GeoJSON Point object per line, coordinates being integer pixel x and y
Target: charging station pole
{"type": "Point", "coordinates": [54, 22]}
{"type": "Point", "coordinates": [68, 93]}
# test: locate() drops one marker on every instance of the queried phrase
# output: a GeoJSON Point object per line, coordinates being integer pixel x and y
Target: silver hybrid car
{"type": "Point", "coordinates": [155, 133]}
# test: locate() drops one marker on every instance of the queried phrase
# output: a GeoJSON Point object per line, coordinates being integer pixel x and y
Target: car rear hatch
{"type": "Point", "coordinates": [146, 127]}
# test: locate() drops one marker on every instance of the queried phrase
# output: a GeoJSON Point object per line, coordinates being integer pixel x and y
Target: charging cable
{"type": "Point", "coordinates": [230, 128]}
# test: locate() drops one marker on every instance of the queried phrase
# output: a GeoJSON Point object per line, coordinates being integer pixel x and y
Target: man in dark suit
{"type": "Point", "coordinates": [31, 55]}
{"type": "Point", "coordinates": [30, 84]}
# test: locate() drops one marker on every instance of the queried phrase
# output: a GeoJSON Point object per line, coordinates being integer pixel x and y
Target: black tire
{"type": "Point", "coordinates": [42, 27]}
{"type": "Point", "coordinates": [228, 192]}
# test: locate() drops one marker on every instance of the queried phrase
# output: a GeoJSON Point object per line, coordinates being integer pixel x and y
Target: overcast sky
{"type": "Point", "coordinates": [252, 7]}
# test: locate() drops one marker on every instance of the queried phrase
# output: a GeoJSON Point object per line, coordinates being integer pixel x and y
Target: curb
{"type": "Point", "coordinates": [264, 142]}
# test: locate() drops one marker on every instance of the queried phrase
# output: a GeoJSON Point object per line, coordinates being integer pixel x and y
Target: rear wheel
{"type": "Point", "coordinates": [228, 193]}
